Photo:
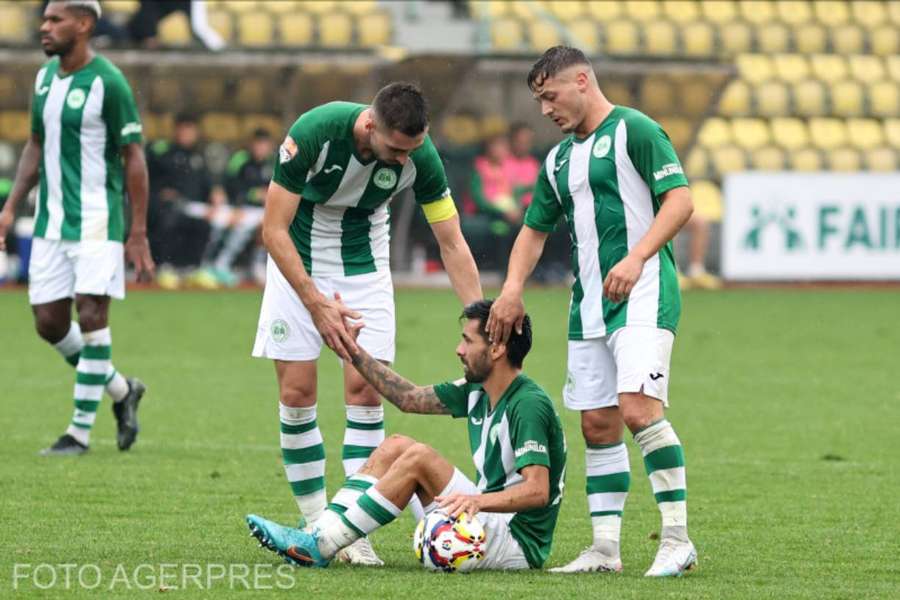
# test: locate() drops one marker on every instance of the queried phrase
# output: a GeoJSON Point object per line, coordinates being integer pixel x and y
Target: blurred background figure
{"type": "Point", "coordinates": [521, 165]}
{"type": "Point", "coordinates": [697, 232]}
{"type": "Point", "coordinates": [144, 24]}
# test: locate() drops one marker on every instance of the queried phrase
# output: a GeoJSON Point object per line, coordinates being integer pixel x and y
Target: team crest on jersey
{"type": "Point", "coordinates": [602, 146]}
{"type": "Point", "coordinates": [288, 150]}
{"type": "Point", "coordinates": [280, 330]}
{"type": "Point", "coordinates": [76, 98]}
{"type": "Point", "coordinates": [385, 178]}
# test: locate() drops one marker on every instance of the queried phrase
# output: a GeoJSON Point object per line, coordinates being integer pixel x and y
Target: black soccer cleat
{"type": "Point", "coordinates": [66, 445]}
{"type": "Point", "coordinates": [126, 414]}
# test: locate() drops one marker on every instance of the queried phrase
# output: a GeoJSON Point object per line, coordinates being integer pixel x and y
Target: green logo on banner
{"type": "Point", "coordinates": [784, 220]}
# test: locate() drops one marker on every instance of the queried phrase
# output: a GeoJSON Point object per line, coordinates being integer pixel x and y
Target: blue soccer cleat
{"type": "Point", "coordinates": [297, 547]}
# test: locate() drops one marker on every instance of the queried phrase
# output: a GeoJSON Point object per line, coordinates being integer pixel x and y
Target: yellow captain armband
{"type": "Point", "coordinates": [439, 210]}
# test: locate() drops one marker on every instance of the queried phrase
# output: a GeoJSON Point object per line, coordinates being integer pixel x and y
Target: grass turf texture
{"type": "Point", "coordinates": [784, 401]}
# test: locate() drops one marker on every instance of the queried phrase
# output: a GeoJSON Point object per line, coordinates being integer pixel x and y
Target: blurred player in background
{"type": "Point", "coordinates": [326, 227]}
{"type": "Point", "coordinates": [84, 125]}
{"type": "Point", "coordinates": [619, 184]}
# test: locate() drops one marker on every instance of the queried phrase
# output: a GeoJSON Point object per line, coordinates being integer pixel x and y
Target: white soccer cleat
{"type": "Point", "coordinates": [591, 560]}
{"type": "Point", "coordinates": [360, 552]}
{"type": "Point", "coordinates": [672, 559]}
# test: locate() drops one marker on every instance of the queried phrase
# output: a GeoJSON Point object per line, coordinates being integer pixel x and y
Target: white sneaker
{"type": "Point", "coordinates": [360, 552]}
{"type": "Point", "coordinates": [591, 560]}
{"type": "Point", "coordinates": [672, 559]}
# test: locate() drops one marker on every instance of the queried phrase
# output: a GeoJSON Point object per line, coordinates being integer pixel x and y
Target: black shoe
{"type": "Point", "coordinates": [66, 445]}
{"type": "Point", "coordinates": [126, 414]}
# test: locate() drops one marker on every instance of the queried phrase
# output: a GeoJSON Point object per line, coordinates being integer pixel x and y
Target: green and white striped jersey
{"type": "Point", "coordinates": [608, 185]}
{"type": "Point", "coordinates": [83, 119]}
{"type": "Point", "coordinates": [522, 430]}
{"type": "Point", "coordinates": [342, 224]}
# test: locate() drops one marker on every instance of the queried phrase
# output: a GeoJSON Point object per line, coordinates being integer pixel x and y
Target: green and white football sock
{"type": "Point", "coordinates": [334, 531]}
{"type": "Point", "coordinates": [70, 349]}
{"type": "Point", "coordinates": [664, 461]}
{"type": "Point", "coordinates": [608, 480]}
{"type": "Point", "coordinates": [370, 511]}
{"type": "Point", "coordinates": [90, 379]}
{"type": "Point", "coordinates": [303, 454]}
{"type": "Point", "coordinates": [364, 433]}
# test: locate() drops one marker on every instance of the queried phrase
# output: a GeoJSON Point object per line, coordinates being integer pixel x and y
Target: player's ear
{"type": "Point", "coordinates": [498, 351]}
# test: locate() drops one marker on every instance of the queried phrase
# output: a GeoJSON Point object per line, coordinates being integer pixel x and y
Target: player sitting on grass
{"type": "Point", "coordinates": [517, 445]}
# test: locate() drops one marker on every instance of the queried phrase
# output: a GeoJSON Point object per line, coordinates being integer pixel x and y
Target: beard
{"type": "Point", "coordinates": [478, 371]}
{"type": "Point", "coordinates": [60, 48]}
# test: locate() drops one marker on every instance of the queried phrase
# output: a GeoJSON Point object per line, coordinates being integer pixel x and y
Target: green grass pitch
{"type": "Point", "coordinates": [787, 404]}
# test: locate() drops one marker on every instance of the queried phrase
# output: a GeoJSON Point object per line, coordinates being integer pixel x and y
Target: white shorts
{"type": "Point", "coordinates": [286, 330]}
{"type": "Point", "coordinates": [502, 552]}
{"type": "Point", "coordinates": [632, 359]}
{"type": "Point", "coordinates": [60, 269]}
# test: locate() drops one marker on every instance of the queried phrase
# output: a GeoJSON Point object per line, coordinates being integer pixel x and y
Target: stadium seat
{"type": "Point", "coordinates": [657, 96]}
{"type": "Point", "coordinates": [335, 30]}
{"type": "Point", "coordinates": [243, 7]}
{"type": "Point", "coordinates": [697, 163]}
{"type": "Point", "coordinates": [252, 93]}
{"type": "Point", "coordinates": [893, 67]}
{"type": "Point", "coordinates": [642, 10]}
{"type": "Point", "coordinates": [165, 92]}
{"type": "Point", "coordinates": [158, 126]}
{"type": "Point", "coordinates": [831, 12]}
{"type": "Point", "coordinates": [865, 134]}
{"type": "Point", "coordinates": [707, 200]}
{"type": "Point", "coordinates": [123, 8]}
{"type": "Point", "coordinates": [208, 92]}
{"type": "Point", "coordinates": [255, 30]}
{"type": "Point", "coordinates": [493, 125]}
{"type": "Point", "coordinates": [791, 67]}
{"type": "Point", "coordinates": [892, 132]}
{"type": "Point", "coordinates": [622, 38]}
{"type": "Point", "coordinates": [736, 38]}
{"type": "Point", "coordinates": [866, 68]}
{"type": "Point", "coordinates": [489, 9]}
{"type": "Point", "coordinates": [698, 39]}
{"type": "Point", "coordinates": [884, 98]}
{"type": "Point", "coordinates": [885, 40]}
{"type": "Point", "coordinates": [175, 30]}
{"type": "Point", "coordinates": [694, 95]}
{"type": "Point", "coordinates": [359, 7]}
{"type": "Point", "coordinates": [604, 11]}
{"type": "Point", "coordinates": [506, 34]}
{"type": "Point", "coordinates": [829, 67]}
{"type": "Point", "coordinates": [221, 21]}
{"type": "Point", "coordinates": [9, 89]}
{"type": "Point", "coordinates": [16, 24]}
{"type": "Point", "coordinates": [794, 12]}
{"type": "Point", "coordinates": [868, 14]}
{"type": "Point", "coordinates": [750, 133]}
{"type": "Point", "coordinates": [252, 122]}
{"type": "Point", "coordinates": [768, 158]}
{"type": "Point", "coordinates": [844, 160]}
{"type": "Point", "coordinates": [566, 10]}
{"type": "Point", "coordinates": [679, 131]}
{"type": "Point", "coordinates": [735, 100]}
{"type": "Point", "coordinates": [584, 34]}
{"type": "Point", "coordinates": [461, 130]}
{"type": "Point", "coordinates": [279, 7]}
{"type": "Point", "coordinates": [847, 98]}
{"type": "Point", "coordinates": [848, 39]}
{"type": "Point", "coordinates": [374, 29]}
{"type": "Point", "coordinates": [893, 12]}
{"type": "Point", "coordinates": [220, 127]}
{"type": "Point", "coordinates": [542, 34]}
{"type": "Point", "coordinates": [15, 126]}
{"type": "Point", "coordinates": [320, 7]}
{"type": "Point", "coordinates": [618, 92]}
{"type": "Point", "coordinates": [773, 37]}
{"type": "Point", "coordinates": [881, 159]}
{"type": "Point", "coordinates": [810, 38]}
{"type": "Point", "coordinates": [757, 11]}
{"type": "Point", "coordinates": [295, 29]}
{"type": "Point", "coordinates": [755, 68]}
{"type": "Point", "coordinates": [790, 133]}
{"type": "Point", "coordinates": [806, 159]}
{"type": "Point", "coordinates": [729, 159]}
{"type": "Point", "coordinates": [827, 133]}
{"type": "Point", "coordinates": [719, 11]}
{"type": "Point", "coordinates": [772, 99]}
{"type": "Point", "coordinates": [714, 133]}
{"type": "Point", "coordinates": [660, 38]}
{"type": "Point", "coordinates": [683, 12]}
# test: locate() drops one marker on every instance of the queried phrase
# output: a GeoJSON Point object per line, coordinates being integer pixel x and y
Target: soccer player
{"type": "Point", "coordinates": [326, 228]}
{"type": "Point", "coordinates": [620, 186]}
{"type": "Point", "coordinates": [84, 125]}
{"type": "Point", "coordinates": [517, 444]}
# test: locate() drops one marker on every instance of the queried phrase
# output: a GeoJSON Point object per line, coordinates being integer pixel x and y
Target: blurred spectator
{"type": "Point", "coordinates": [697, 232]}
{"type": "Point", "coordinates": [183, 199]}
{"type": "Point", "coordinates": [144, 24]}
{"type": "Point", "coordinates": [521, 166]}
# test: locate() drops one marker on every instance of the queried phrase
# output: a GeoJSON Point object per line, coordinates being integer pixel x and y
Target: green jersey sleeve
{"type": "Point", "coordinates": [653, 155]}
{"type": "Point", "coordinates": [545, 210]}
{"type": "Point", "coordinates": [530, 423]}
{"type": "Point", "coordinates": [455, 396]}
{"type": "Point", "coordinates": [120, 112]}
{"type": "Point", "coordinates": [431, 180]}
{"type": "Point", "coordinates": [298, 152]}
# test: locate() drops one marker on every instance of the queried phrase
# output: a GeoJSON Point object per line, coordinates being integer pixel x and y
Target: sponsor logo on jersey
{"type": "Point", "coordinates": [477, 422]}
{"type": "Point", "coordinates": [76, 98]}
{"type": "Point", "coordinates": [560, 165]}
{"type": "Point", "coordinates": [40, 91]}
{"type": "Point", "coordinates": [332, 168]}
{"type": "Point", "coordinates": [669, 169]}
{"type": "Point", "coordinates": [287, 150]}
{"type": "Point", "coordinates": [531, 446]}
{"type": "Point", "coordinates": [385, 178]}
{"type": "Point", "coordinates": [602, 146]}
{"type": "Point", "coordinates": [280, 330]}
{"type": "Point", "coordinates": [493, 433]}
{"type": "Point", "coordinates": [131, 128]}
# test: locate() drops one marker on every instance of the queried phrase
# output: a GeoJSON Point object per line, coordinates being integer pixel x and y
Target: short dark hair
{"type": "Point", "coordinates": [402, 107]}
{"type": "Point", "coordinates": [261, 133]}
{"type": "Point", "coordinates": [186, 118]}
{"type": "Point", "coordinates": [517, 346]}
{"type": "Point", "coordinates": [518, 126]}
{"type": "Point", "coordinates": [554, 60]}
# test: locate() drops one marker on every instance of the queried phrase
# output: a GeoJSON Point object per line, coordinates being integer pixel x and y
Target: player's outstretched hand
{"type": "Point", "coordinates": [456, 504]}
{"type": "Point", "coordinates": [6, 220]}
{"type": "Point", "coordinates": [330, 318]}
{"type": "Point", "coordinates": [137, 252]}
{"type": "Point", "coordinates": [354, 327]}
{"type": "Point", "coordinates": [621, 278]}
{"type": "Point", "coordinates": [508, 311]}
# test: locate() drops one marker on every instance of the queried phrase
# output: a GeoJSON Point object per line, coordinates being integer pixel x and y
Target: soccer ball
{"type": "Point", "coordinates": [443, 543]}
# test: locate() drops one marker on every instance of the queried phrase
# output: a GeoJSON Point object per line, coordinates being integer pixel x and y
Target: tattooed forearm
{"type": "Point", "coordinates": [401, 392]}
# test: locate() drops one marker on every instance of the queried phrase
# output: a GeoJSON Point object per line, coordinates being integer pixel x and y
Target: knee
{"type": "Point", "coordinates": [416, 456]}
{"type": "Point", "coordinates": [359, 393]}
{"type": "Point", "coordinates": [396, 445]}
{"type": "Point", "coordinates": [641, 414]}
{"type": "Point", "coordinates": [601, 428]}
{"type": "Point", "coordinates": [50, 330]}
{"type": "Point", "coordinates": [91, 316]}
{"type": "Point", "coordinates": [298, 395]}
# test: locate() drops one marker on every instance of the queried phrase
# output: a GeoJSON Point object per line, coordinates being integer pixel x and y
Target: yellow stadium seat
{"type": "Point", "coordinates": [208, 92]}
{"type": "Point", "coordinates": [884, 98]}
{"type": "Point", "coordinates": [848, 39]}
{"type": "Point", "coordinates": [772, 99]}
{"type": "Point", "coordinates": [679, 131]}
{"type": "Point", "coordinates": [221, 21]}
{"type": "Point", "coordinates": [735, 100]}
{"type": "Point", "coordinates": [542, 34]}
{"type": "Point", "coordinates": [827, 133]}
{"type": "Point", "coordinates": [893, 10]}
{"type": "Point", "coordinates": [881, 159]}
{"type": "Point", "coordinates": [657, 96]}
{"type": "Point", "coordinates": [694, 96]}
{"type": "Point", "coordinates": [242, 7]}
{"type": "Point", "coordinates": [729, 159]}
{"type": "Point", "coordinates": [768, 158]}
{"type": "Point", "coordinates": [220, 127]}
{"type": "Point", "coordinates": [773, 37]}
{"type": "Point", "coordinates": [831, 12]}
{"type": "Point", "coordinates": [867, 13]}
{"type": "Point", "coordinates": [714, 133]}
{"type": "Point", "coordinates": [278, 7]}
{"type": "Point", "coordinates": [618, 92]}
{"type": "Point", "coordinates": [165, 92]}
{"type": "Point", "coordinates": [755, 68]}
{"type": "Point", "coordinates": [604, 11]}
{"type": "Point", "coordinates": [810, 38]}
{"type": "Point", "coordinates": [335, 30]}
{"type": "Point", "coordinates": [489, 9]}
{"type": "Point", "coordinates": [736, 38]}
{"type": "Point", "coordinates": [847, 98]}
{"type": "Point", "coordinates": [175, 30]}
{"type": "Point", "coordinates": [359, 7]}
{"type": "Point", "coordinates": [374, 29]}
{"type": "Point", "coordinates": [252, 94]}
{"type": "Point", "coordinates": [794, 12]}
{"type": "Point", "coordinates": [566, 9]}
{"type": "Point", "coordinates": [698, 39]}
{"type": "Point", "coordinates": [885, 40]}
{"type": "Point", "coordinates": [123, 7]}
{"type": "Point", "coordinates": [321, 7]}
{"type": "Point", "coordinates": [642, 10]}
{"type": "Point", "coordinates": [9, 89]}
{"type": "Point", "coordinates": [252, 122]}
{"type": "Point", "coordinates": [750, 133]}
{"type": "Point", "coordinates": [866, 68]}
{"type": "Point", "coordinates": [460, 130]}
{"type": "Point", "coordinates": [865, 134]}
{"type": "Point", "coordinates": [523, 9]}
{"type": "Point", "coordinates": [757, 11]}
{"type": "Point", "coordinates": [660, 38]}
{"type": "Point", "coordinates": [255, 30]}
{"type": "Point", "coordinates": [893, 67]}
{"type": "Point", "coordinates": [493, 125]}
{"type": "Point", "coordinates": [707, 200]}
{"type": "Point", "coordinates": [791, 67]}
{"type": "Point", "coordinates": [584, 34]}
{"type": "Point", "coordinates": [844, 160]}
{"type": "Point", "coordinates": [697, 163]}
{"type": "Point", "coordinates": [810, 98]}
{"type": "Point", "coordinates": [506, 34]}
{"type": "Point", "coordinates": [719, 11]}
{"type": "Point", "coordinates": [806, 159]}
{"type": "Point", "coordinates": [295, 29]}
{"type": "Point", "coordinates": [622, 38]}
{"type": "Point", "coordinates": [15, 126]}
{"type": "Point", "coordinates": [829, 67]}
{"type": "Point", "coordinates": [681, 11]}
{"type": "Point", "coordinates": [157, 126]}
{"type": "Point", "coordinates": [790, 133]}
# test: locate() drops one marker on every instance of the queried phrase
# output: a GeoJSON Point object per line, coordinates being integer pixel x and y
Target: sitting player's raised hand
{"type": "Point", "coordinates": [329, 317]}
{"type": "Point", "coordinates": [457, 504]}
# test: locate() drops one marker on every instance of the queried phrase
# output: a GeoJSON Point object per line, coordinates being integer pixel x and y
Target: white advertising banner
{"type": "Point", "coordinates": [811, 226]}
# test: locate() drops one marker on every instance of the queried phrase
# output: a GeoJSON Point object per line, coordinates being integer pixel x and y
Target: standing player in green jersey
{"type": "Point", "coordinates": [517, 445]}
{"type": "Point", "coordinates": [84, 125]}
{"type": "Point", "coordinates": [326, 227]}
{"type": "Point", "coordinates": [620, 186]}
